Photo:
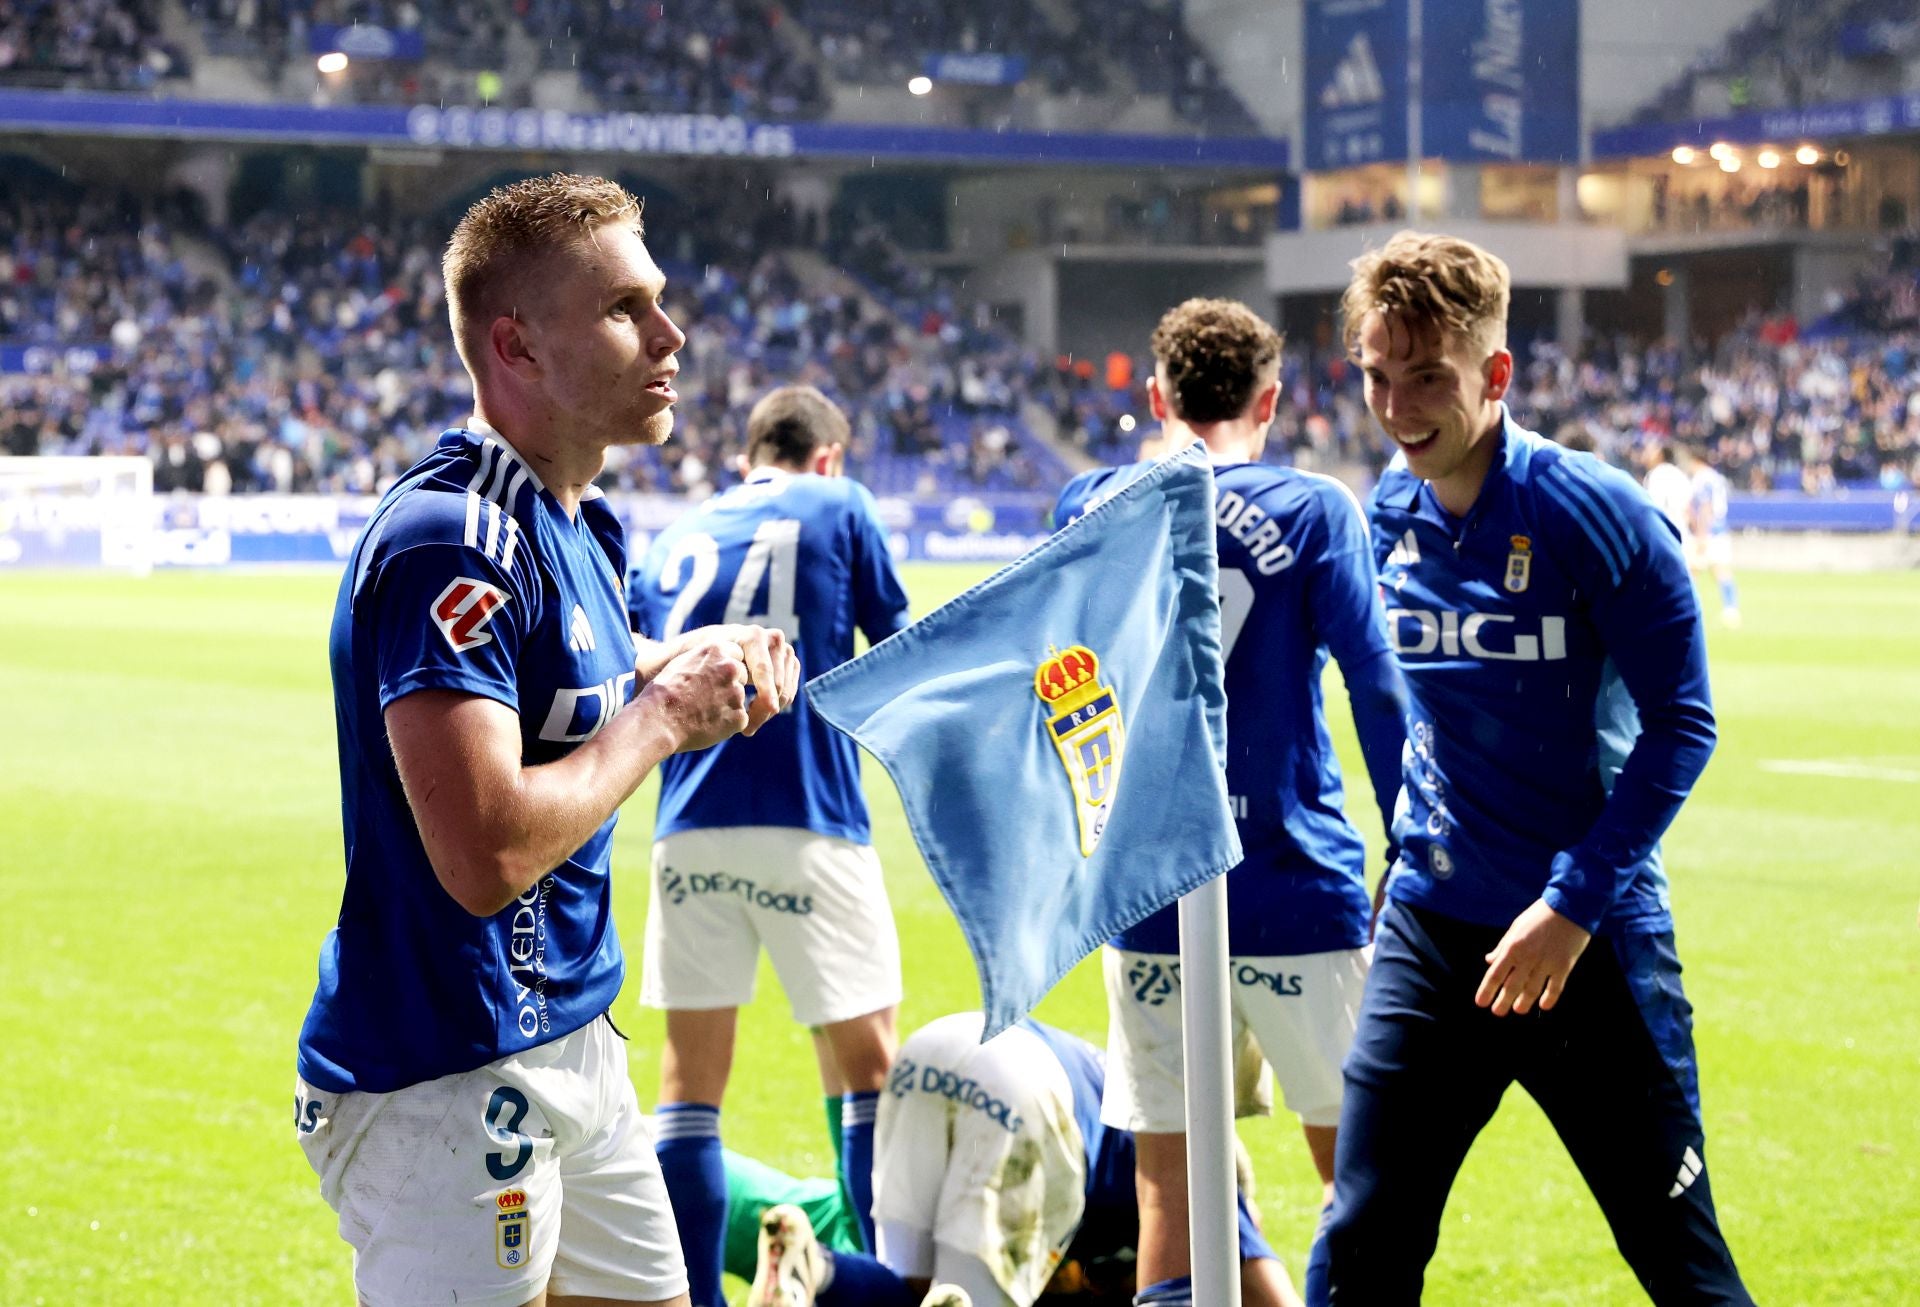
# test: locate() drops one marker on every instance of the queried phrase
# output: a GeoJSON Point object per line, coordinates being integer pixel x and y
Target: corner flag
{"type": "Point", "coordinates": [1058, 734]}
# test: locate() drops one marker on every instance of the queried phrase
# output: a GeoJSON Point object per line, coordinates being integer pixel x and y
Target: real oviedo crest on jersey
{"type": "Point", "coordinates": [1519, 564]}
{"type": "Point", "coordinates": [1083, 721]}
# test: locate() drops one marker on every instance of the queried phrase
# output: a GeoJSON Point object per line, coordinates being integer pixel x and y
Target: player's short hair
{"type": "Point", "coordinates": [789, 424]}
{"type": "Point", "coordinates": [500, 247]}
{"type": "Point", "coordinates": [1217, 354]}
{"type": "Point", "coordinates": [1433, 281]}
{"type": "Point", "coordinates": [1576, 436]}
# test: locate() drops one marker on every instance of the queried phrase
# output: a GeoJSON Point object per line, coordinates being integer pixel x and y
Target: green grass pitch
{"type": "Point", "coordinates": [170, 857]}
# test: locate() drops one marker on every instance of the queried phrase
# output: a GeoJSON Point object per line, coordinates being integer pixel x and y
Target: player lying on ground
{"type": "Point", "coordinates": [993, 1175]}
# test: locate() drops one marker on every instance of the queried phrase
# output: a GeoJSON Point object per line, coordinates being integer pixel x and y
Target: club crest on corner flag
{"type": "Point", "coordinates": [1058, 734]}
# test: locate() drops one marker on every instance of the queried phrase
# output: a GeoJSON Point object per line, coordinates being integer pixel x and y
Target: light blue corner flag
{"type": "Point", "coordinates": [1058, 733]}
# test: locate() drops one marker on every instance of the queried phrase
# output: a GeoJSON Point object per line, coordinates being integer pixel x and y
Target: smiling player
{"type": "Point", "coordinates": [1536, 598]}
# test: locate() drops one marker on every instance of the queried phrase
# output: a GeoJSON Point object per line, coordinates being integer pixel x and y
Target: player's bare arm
{"type": "Point", "coordinates": [766, 657]}
{"type": "Point", "coordinates": [1532, 961]}
{"type": "Point", "coordinates": [780, 658]}
{"type": "Point", "coordinates": [493, 826]}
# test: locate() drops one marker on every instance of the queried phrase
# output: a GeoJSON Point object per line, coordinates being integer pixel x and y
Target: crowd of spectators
{"type": "Point", "coordinates": [1793, 55]}
{"type": "Point", "coordinates": [94, 45]}
{"type": "Point", "coordinates": [314, 355]}
{"type": "Point", "coordinates": [888, 41]}
{"type": "Point", "coordinates": [721, 57]}
{"type": "Point", "coordinates": [1150, 39]}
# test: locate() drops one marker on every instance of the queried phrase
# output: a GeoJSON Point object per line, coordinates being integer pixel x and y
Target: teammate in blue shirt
{"type": "Point", "coordinates": [1536, 599]}
{"type": "Point", "coordinates": [1707, 523]}
{"type": "Point", "coordinates": [765, 841]}
{"type": "Point", "coordinates": [465, 1104]}
{"type": "Point", "coordinates": [1296, 582]}
{"type": "Point", "coordinates": [997, 1186]}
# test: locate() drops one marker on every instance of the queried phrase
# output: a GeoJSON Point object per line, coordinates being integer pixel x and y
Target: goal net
{"type": "Point", "coordinates": [77, 512]}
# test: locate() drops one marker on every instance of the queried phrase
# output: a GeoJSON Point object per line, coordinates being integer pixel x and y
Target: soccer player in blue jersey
{"type": "Point", "coordinates": [460, 1094]}
{"type": "Point", "coordinates": [996, 1185]}
{"type": "Point", "coordinates": [766, 842]}
{"type": "Point", "coordinates": [1707, 519]}
{"type": "Point", "coordinates": [1296, 583]}
{"type": "Point", "coordinates": [1556, 667]}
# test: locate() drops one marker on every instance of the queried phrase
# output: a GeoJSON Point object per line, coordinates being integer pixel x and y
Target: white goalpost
{"type": "Point", "coordinates": [77, 511]}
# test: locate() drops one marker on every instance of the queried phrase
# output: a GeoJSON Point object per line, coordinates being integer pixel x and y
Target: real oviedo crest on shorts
{"type": "Point", "coordinates": [1083, 721]}
{"type": "Point", "coordinates": [513, 1228]}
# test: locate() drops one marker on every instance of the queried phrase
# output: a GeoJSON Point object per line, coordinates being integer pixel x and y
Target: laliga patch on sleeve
{"type": "Point", "coordinates": [463, 610]}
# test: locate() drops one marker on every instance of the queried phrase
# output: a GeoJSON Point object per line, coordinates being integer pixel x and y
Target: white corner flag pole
{"type": "Point", "coordinates": [1213, 1213]}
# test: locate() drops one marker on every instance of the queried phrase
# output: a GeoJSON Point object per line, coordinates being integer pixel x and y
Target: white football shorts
{"type": "Point", "coordinates": [482, 1188]}
{"type": "Point", "coordinates": [818, 904]}
{"type": "Point", "coordinates": [1716, 550]}
{"type": "Point", "coordinates": [976, 1150]}
{"type": "Point", "coordinates": [1293, 1017]}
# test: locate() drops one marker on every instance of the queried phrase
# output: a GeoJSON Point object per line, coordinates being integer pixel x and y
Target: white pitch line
{"type": "Point", "coordinates": [1845, 769]}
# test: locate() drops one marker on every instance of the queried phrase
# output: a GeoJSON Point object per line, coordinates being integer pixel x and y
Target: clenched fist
{"type": "Point", "coordinates": [702, 689]}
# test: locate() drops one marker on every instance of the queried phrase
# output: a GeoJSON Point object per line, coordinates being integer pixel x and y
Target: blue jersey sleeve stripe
{"type": "Point", "coordinates": [1578, 514]}
{"type": "Point", "coordinates": [1604, 513]}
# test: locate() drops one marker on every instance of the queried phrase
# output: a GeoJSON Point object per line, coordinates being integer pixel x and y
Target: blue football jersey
{"type": "Point", "coordinates": [1530, 632]}
{"type": "Point", "coordinates": [1707, 498]}
{"type": "Point", "coordinates": [1296, 581]}
{"type": "Point", "coordinates": [469, 577]}
{"type": "Point", "coordinates": [803, 553]}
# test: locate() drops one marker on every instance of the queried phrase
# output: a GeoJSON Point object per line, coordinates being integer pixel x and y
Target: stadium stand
{"type": "Point", "coordinates": [99, 45]}
{"type": "Point", "coordinates": [314, 355]}
{"type": "Point", "coordinates": [1792, 55]}
{"type": "Point", "coordinates": [745, 57]}
{"type": "Point", "coordinates": [887, 41]}
{"type": "Point", "coordinates": [725, 57]}
{"type": "Point", "coordinates": [308, 366]}
{"type": "Point", "coordinates": [1152, 43]}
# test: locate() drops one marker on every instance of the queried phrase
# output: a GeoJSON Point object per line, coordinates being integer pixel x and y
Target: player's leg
{"type": "Point", "coordinates": [1424, 1076]}
{"type": "Point", "coordinates": [699, 963]}
{"type": "Point", "coordinates": [1160, 1181]}
{"type": "Point", "coordinates": [617, 1219]}
{"type": "Point", "coordinates": [863, 1049]}
{"type": "Point", "coordinates": [694, 1066]}
{"type": "Point", "coordinates": [1146, 1093]}
{"type": "Point", "coordinates": [1263, 1277]}
{"type": "Point", "coordinates": [829, 931]}
{"type": "Point", "coordinates": [1264, 1283]}
{"type": "Point", "coordinates": [1303, 1009]}
{"type": "Point", "coordinates": [1612, 1066]}
{"type": "Point", "coordinates": [1720, 559]}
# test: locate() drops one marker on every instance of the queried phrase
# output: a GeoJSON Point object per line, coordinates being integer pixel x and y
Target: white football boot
{"type": "Point", "coordinates": [947, 1295]}
{"type": "Point", "coordinates": [790, 1266]}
